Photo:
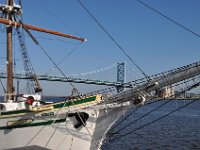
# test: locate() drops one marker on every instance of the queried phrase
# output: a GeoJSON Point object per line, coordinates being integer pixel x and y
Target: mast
{"type": "Point", "coordinates": [10, 88]}
{"type": "Point", "coordinates": [10, 11]}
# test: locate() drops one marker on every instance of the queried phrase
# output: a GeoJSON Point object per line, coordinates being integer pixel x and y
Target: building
{"type": "Point", "coordinates": [166, 92]}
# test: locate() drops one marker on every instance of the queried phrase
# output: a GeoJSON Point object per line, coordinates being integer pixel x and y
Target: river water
{"type": "Point", "coordinates": [178, 131]}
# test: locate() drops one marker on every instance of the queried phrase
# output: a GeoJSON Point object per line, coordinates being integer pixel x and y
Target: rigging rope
{"type": "Point", "coordinates": [140, 118]}
{"type": "Point", "coordinates": [51, 125]}
{"type": "Point", "coordinates": [179, 93]}
{"type": "Point", "coordinates": [112, 38]}
{"type": "Point", "coordinates": [168, 18]}
{"type": "Point", "coordinates": [44, 51]}
{"type": "Point", "coordinates": [70, 53]}
{"type": "Point", "coordinates": [61, 142]}
{"type": "Point", "coordinates": [37, 43]}
{"type": "Point", "coordinates": [29, 142]}
{"type": "Point", "coordinates": [130, 114]}
{"type": "Point", "coordinates": [127, 116]}
{"type": "Point", "coordinates": [56, 17]}
{"type": "Point", "coordinates": [149, 103]}
{"type": "Point", "coordinates": [63, 23]}
{"type": "Point", "coordinates": [4, 89]}
{"type": "Point", "coordinates": [158, 119]}
{"type": "Point", "coordinates": [52, 135]}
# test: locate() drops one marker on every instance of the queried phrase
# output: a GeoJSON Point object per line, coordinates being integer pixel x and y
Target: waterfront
{"type": "Point", "coordinates": [179, 130]}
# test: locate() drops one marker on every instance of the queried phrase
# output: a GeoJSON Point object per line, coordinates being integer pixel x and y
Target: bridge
{"type": "Point", "coordinates": [69, 79]}
{"type": "Point", "coordinates": [119, 84]}
{"type": "Point", "coordinates": [121, 72]}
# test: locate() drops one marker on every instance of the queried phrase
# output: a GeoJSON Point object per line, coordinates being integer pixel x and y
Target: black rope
{"type": "Point", "coordinates": [55, 16]}
{"type": "Point", "coordinates": [131, 113]}
{"type": "Point", "coordinates": [51, 60]}
{"type": "Point", "coordinates": [166, 17]}
{"type": "Point", "coordinates": [131, 123]}
{"type": "Point", "coordinates": [44, 51]}
{"type": "Point", "coordinates": [158, 119]}
{"type": "Point", "coordinates": [175, 95]}
{"type": "Point", "coordinates": [112, 38]}
{"type": "Point", "coordinates": [189, 88]}
{"type": "Point", "coordinates": [149, 103]}
{"type": "Point", "coordinates": [124, 119]}
{"type": "Point", "coordinates": [69, 54]}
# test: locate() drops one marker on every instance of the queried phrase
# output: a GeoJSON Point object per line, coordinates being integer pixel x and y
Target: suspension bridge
{"type": "Point", "coordinates": [119, 81]}
{"type": "Point", "coordinates": [119, 69]}
{"type": "Point", "coordinates": [69, 79]}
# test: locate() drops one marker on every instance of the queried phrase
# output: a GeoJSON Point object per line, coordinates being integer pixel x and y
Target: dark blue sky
{"type": "Point", "coordinates": [153, 42]}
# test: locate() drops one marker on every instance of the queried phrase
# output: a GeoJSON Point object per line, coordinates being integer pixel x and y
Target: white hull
{"type": "Point", "coordinates": [63, 136]}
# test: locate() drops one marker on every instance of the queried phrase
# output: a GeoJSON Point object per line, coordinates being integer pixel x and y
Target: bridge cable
{"type": "Point", "coordinates": [112, 38]}
{"type": "Point", "coordinates": [168, 18]}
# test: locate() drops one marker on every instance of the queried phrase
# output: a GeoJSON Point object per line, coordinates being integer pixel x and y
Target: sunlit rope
{"type": "Point", "coordinates": [61, 142]}
{"type": "Point", "coordinates": [82, 121]}
{"type": "Point", "coordinates": [45, 126]}
{"type": "Point", "coordinates": [59, 123]}
{"type": "Point", "coordinates": [37, 133]}
{"type": "Point", "coordinates": [52, 135]}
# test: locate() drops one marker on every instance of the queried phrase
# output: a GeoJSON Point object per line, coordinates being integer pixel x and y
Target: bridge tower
{"type": "Point", "coordinates": [121, 68]}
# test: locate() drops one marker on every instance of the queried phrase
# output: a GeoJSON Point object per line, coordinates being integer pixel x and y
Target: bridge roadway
{"type": "Point", "coordinates": [69, 79]}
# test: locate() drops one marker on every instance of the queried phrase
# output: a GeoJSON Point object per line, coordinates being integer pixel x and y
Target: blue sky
{"type": "Point", "coordinates": [153, 42]}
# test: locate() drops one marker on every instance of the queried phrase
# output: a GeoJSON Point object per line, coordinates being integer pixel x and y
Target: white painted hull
{"type": "Point", "coordinates": [63, 136]}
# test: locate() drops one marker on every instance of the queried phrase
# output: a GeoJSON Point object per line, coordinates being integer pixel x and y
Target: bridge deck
{"type": "Point", "coordinates": [69, 79]}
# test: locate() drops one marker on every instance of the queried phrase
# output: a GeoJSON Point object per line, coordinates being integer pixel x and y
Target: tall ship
{"type": "Point", "coordinates": [80, 121]}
